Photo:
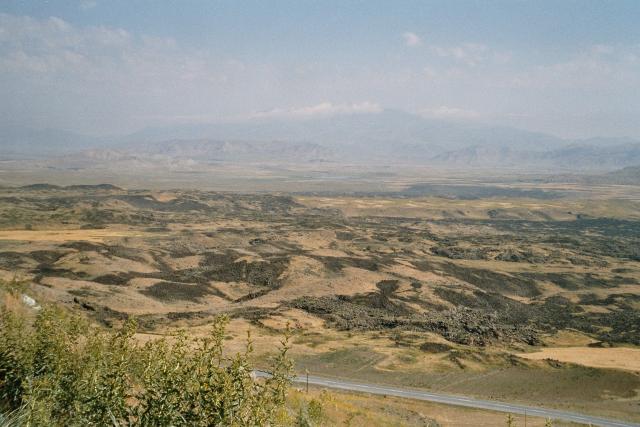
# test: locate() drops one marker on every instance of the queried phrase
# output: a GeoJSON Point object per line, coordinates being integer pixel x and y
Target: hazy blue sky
{"type": "Point", "coordinates": [571, 68]}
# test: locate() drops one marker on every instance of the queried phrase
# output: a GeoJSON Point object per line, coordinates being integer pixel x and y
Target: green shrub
{"type": "Point", "coordinates": [58, 369]}
{"type": "Point", "coordinates": [315, 411]}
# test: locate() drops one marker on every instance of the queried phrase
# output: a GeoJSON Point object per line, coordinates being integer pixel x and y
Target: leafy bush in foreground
{"type": "Point", "coordinates": [57, 369]}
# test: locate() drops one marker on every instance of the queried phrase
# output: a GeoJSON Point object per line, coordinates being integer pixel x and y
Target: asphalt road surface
{"type": "Point", "coordinates": [461, 401]}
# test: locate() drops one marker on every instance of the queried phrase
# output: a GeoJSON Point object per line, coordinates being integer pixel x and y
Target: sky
{"type": "Point", "coordinates": [565, 67]}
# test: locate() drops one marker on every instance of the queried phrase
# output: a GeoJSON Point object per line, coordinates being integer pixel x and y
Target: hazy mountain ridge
{"type": "Point", "coordinates": [598, 157]}
{"type": "Point", "coordinates": [212, 150]}
{"type": "Point", "coordinates": [387, 137]}
{"type": "Point", "coordinates": [381, 131]}
{"type": "Point", "coordinates": [575, 156]}
{"type": "Point", "coordinates": [224, 150]}
{"type": "Point", "coordinates": [19, 142]}
{"type": "Point", "coordinates": [626, 176]}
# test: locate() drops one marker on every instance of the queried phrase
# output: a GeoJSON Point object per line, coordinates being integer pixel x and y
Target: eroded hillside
{"type": "Point", "coordinates": [372, 285]}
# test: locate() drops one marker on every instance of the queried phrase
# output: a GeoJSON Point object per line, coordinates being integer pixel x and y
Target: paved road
{"type": "Point", "coordinates": [462, 401]}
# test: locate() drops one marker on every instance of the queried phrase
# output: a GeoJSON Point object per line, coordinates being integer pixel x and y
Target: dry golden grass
{"type": "Point", "coordinates": [96, 235]}
{"type": "Point", "coordinates": [359, 409]}
{"type": "Point", "coordinates": [441, 208]}
{"type": "Point", "coordinates": [97, 264]}
{"type": "Point", "coordinates": [617, 358]}
{"type": "Point", "coordinates": [184, 262]}
{"type": "Point", "coordinates": [164, 196]}
{"type": "Point", "coordinates": [568, 338]}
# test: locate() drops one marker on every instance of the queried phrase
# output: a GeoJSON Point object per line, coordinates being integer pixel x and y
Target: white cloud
{"type": "Point", "coordinates": [94, 78]}
{"type": "Point", "coordinates": [88, 4]}
{"type": "Point", "coordinates": [411, 39]}
{"type": "Point", "coordinates": [468, 53]}
{"type": "Point", "coordinates": [322, 109]}
{"type": "Point", "coordinates": [445, 112]}
{"type": "Point", "coordinates": [100, 79]}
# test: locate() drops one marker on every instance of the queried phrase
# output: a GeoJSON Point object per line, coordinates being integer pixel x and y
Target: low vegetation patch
{"type": "Point", "coordinates": [57, 369]}
{"type": "Point", "coordinates": [172, 291]}
{"type": "Point", "coordinates": [460, 325]}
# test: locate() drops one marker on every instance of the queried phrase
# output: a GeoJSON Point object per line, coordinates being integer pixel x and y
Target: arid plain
{"type": "Point", "coordinates": [492, 291]}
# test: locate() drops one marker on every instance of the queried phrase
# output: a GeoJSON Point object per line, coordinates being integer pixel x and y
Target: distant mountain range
{"type": "Point", "coordinates": [387, 137]}
{"type": "Point", "coordinates": [578, 156]}
{"type": "Point", "coordinates": [626, 176]}
{"type": "Point", "coordinates": [21, 142]}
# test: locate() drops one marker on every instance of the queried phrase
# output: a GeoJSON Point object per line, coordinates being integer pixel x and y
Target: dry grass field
{"type": "Point", "coordinates": [612, 358]}
{"type": "Point", "coordinates": [339, 408]}
{"type": "Point", "coordinates": [525, 297]}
